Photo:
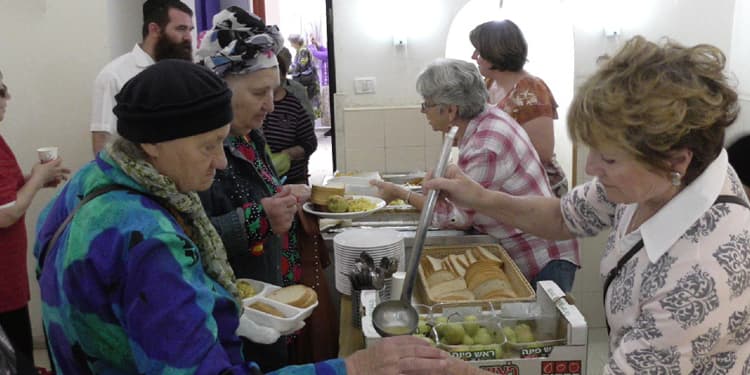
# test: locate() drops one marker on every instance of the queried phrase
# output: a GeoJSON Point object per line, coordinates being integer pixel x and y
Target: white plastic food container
{"type": "Point", "coordinates": [292, 315]}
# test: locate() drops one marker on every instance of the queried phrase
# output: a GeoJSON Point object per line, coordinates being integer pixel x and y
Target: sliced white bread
{"type": "Point", "coordinates": [296, 295]}
{"type": "Point", "coordinates": [435, 263]}
{"type": "Point", "coordinates": [494, 288]}
{"type": "Point", "coordinates": [456, 295]}
{"type": "Point", "coordinates": [487, 255]}
{"type": "Point", "coordinates": [461, 258]}
{"type": "Point", "coordinates": [482, 270]}
{"type": "Point", "coordinates": [457, 265]}
{"type": "Point", "coordinates": [266, 308]}
{"type": "Point", "coordinates": [470, 256]}
{"type": "Point", "coordinates": [447, 287]}
{"type": "Point", "coordinates": [439, 277]}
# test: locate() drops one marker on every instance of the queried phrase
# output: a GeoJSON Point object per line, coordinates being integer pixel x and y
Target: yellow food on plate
{"type": "Point", "coordinates": [246, 290]}
{"type": "Point", "coordinates": [360, 204]}
{"type": "Point", "coordinates": [397, 202]}
{"type": "Point", "coordinates": [339, 204]}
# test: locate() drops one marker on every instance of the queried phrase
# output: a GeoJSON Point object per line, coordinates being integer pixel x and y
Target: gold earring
{"type": "Point", "coordinates": [676, 178]}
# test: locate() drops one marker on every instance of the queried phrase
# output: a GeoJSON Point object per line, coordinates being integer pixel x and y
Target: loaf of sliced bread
{"type": "Point", "coordinates": [266, 308]}
{"type": "Point", "coordinates": [300, 296]}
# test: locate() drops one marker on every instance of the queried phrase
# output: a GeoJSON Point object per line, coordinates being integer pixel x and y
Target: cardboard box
{"type": "Point", "coordinates": [566, 358]}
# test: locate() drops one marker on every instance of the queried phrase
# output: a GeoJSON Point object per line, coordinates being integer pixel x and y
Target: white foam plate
{"type": "Point", "coordinates": [292, 314]}
{"type": "Point", "coordinates": [379, 203]}
{"type": "Point", "coordinates": [367, 238]}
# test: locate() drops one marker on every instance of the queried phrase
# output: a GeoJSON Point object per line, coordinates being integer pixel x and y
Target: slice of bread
{"type": "Point", "coordinates": [494, 288]}
{"type": "Point", "coordinates": [435, 263]}
{"type": "Point", "coordinates": [300, 296]}
{"type": "Point", "coordinates": [439, 277]}
{"type": "Point", "coordinates": [480, 271]}
{"type": "Point", "coordinates": [456, 295]}
{"type": "Point", "coordinates": [457, 265]}
{"type": "Point", "coordinates": [487, 255]}
{"type": "Point", "coordinates": [266, 308]}
{"type": "Point", "coordinates": [447, 287]}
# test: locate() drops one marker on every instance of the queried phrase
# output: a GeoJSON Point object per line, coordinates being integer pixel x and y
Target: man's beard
{"type": "Point", "coordinates": [166, 49]}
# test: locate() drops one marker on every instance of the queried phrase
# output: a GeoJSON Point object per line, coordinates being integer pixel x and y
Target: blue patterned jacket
{"type": "Point", "coordinates": [124, 292]}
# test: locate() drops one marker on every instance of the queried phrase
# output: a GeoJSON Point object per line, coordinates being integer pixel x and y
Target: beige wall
{"type": "Point", "coordinates": [51, 50]}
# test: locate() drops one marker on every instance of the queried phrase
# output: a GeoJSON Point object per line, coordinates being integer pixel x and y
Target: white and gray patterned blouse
{"type": "Point", "coordinates": [681, 305]}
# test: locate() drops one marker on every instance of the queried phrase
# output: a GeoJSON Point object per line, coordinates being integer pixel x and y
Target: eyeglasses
{"type": "Point", "coordinates": [4, 91]}
{"type": "Point", "coordinates": [426, 106]}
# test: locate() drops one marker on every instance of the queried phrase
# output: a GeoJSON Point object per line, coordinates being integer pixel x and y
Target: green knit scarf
{"type": "Point", "coordinates": [212, 251]}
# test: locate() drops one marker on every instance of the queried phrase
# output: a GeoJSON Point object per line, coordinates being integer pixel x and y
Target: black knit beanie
{"type": "Point", "coordinates": [172, 99]}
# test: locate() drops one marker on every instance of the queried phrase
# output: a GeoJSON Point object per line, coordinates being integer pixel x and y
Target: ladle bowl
{"type": "Point", "coordinates": [399, 317]}
{"type": "Point", "coordinates": [395, 318]}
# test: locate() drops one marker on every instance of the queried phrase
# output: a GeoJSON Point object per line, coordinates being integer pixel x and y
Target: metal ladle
{"type": "Point", "coordinates": [399, 317]}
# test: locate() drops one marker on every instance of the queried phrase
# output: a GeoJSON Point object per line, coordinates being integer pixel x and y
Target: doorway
{"type": "Point", "coordinates": [310, 20]}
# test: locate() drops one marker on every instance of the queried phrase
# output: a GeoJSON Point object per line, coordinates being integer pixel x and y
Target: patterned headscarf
{"type": "Point", "coordinates": [239, 43]}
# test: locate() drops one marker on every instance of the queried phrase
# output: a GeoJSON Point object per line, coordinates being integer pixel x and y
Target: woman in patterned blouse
{"type": "Point", "coordinates": [500, 52]}
{"type": "Point", "coordinates": [654, 118]}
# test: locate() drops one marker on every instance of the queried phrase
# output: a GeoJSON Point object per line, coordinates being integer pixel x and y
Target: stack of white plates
{"type": "Point", "coordinates": [377, 243]}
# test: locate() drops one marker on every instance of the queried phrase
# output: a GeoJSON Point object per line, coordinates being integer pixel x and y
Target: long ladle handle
{"type": "Point", "coordinates": [425, 219]}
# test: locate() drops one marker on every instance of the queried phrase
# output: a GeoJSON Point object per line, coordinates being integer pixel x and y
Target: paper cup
{"type": "Point", "coordinates": [47, 154]}
{"type": "Point", "coordinates": [397, 284]}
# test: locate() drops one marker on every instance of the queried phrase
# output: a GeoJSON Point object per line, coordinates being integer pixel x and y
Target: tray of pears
{"type": "Point", "coordinates": [484, 334]}
{"type": "Point", "coordinates": [472, 333]}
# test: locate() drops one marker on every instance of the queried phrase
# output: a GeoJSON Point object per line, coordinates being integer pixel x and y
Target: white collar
{"type": "Point", "coordinates": [663, 229]}
{"type": "Point", "coordinates": [142, 59]}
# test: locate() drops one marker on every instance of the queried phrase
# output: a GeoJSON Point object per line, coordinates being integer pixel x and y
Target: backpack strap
{"type": "Point", "coordinates": [638, 246]}
{"type": "Point", "coordinates": [89, 197]}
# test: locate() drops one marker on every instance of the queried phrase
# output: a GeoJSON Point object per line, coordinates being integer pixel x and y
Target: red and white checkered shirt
{"type": "Point", "coordinates": [496, 152]}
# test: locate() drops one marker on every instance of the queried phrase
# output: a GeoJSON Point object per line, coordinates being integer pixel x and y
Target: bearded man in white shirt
{"type": "Point", "coordinates": [167, 34]}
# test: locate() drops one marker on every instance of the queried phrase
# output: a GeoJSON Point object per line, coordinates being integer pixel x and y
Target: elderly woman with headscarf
{"type": "Point", "coordinates": [134, 278]}
{"type": "Point", "coordinates": [496, 152]}
{"type": "Point", "coordinates": [252, 211]}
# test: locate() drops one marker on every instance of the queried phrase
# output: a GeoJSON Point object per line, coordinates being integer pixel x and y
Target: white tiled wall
{"type": "Point", "coordinates": [386, 139]}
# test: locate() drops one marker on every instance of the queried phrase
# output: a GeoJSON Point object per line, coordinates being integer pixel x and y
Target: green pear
{"type": "Point", "coordinates": [423, 328]}
{"type": "Point", "coordinates": [483, 338]}
{"type": "Point", "coordinates": [499, 352]}
{"type": "Point", "coordinates": [454, 333]}
{"type": "Point", "coordinates": [523, 333]}
{"type": "Point", "coordinates": [510, 334]}
{"type": "Point", "coordinates": [467, 340]}
{"type": "Point", "coordinates": [470, 325]}
{"type": "Point", "coordinates": [440, 323]}
{"type": "Point", "coordinates": [482, 331]}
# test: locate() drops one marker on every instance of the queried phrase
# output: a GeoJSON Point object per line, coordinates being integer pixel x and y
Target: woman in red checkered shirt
{"type": "Point", "coordinates": [496, 152]}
